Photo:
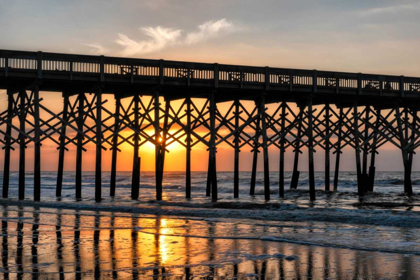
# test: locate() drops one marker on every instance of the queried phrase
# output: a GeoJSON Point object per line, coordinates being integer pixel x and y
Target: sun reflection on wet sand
{"type": "Point", "coordinates": [70, 244]}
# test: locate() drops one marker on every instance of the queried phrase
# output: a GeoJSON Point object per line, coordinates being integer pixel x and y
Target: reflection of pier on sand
{"type": "Point", "coordinates": [102, 244]}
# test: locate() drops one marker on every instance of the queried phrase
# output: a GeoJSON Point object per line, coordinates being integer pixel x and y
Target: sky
{"type": "Point", "coordinates": [355, 36]}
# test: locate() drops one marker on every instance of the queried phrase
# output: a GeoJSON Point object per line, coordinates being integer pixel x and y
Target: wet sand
{"type": "Point", "coordinates": [52, 243]}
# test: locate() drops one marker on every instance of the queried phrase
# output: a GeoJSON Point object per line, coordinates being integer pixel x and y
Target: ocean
{"type": "Point", "coordinates": [338, 236]}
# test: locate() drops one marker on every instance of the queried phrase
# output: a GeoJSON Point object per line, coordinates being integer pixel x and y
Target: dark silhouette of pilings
{"type": "Point", "coordinates": [115, 146]}
{"type": "Point", "coordinates": [372, 168]}
{"type": "Point", "coordinates": [22, 144]}
{"type": "Point", "coordinates": [79, 148]}
{"type": "Point", "coordinates": [296, 172]}
{"type": "Point", "coordinates": [360, 124]}
{"type": "Point", "coordinates": [255, 152]}
{"type": "Point", "coordinates": [338, 149]}
{"type": "Point", "coordinates": [98, 159]}
{"type": "Point", "coordinates": [327, 147]}
{"type": "Point", "coordinates": [212, 148]}
{"type": "Point", "coordinates": [62, 147]}
{"type": "Point", "coordinates": [360, 181]}
{"type": "Point", "coordinates": [7, 147]}
{"type": "Point", "coordinates": [37, 147]}
{"type": "Point", "coordinates": [282, 148]}
{"type": "Point", "coordinates": [236, 150]}
{"type": "Point", "coordinates": [158, 147]}
{"type": "Point", "coordinates": [262, 112]}
{"type": "Point", "coordinates": [311, 152]}
{"type": "Point", "coordinates": [188, 150]}
{"type": "Point", "coordinates": [136, 160]}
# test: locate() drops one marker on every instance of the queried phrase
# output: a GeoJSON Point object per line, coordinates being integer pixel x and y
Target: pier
{"type": "Point", "coordinates": [335, 110]}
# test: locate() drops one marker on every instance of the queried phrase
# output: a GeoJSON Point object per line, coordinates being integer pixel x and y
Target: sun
{"type": "Point", "coordinates": [171, 145]}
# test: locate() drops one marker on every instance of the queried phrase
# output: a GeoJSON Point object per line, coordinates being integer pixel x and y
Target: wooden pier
{"type": "Point", "coordinates": [335, 110]}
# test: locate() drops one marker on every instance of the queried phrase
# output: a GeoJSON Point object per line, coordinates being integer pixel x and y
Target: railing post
{"type": "Point", "coordinates": [402, 91]}
{"type": "Point", "coordinates": [6, 67]}
{"type": "Point", "coordinates": [161, 74]}
{"type": "Point", "coordinates": [267, 78]}
{"type": "Point", "coordinates": [39, 65]}
{"type": "Point", "coordinates": [359, 83]}
{"type": "Point", "coordinates": [71, 70]}
{"type": "Point", "coordinates": [291, 81]}
{"type": "Point", "coordinates": [315, 81]}
{"type": "Point", "coordinates": [381, 86]}
{"type": "Point", "coordinates": [216, 75]}
{"type": "Point", "coordinates": [337, 85]}
{"type": "Point", "coordinates": [102, 68]}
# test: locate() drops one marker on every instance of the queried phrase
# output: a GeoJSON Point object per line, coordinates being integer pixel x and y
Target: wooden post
{"type": "Point", "coordinates": [37, 147]}
{"type": "Point", "coordinates": [265, 149]}
{"type": "Point", "coordinates": [372, 168]}
{"type": "Point", "coordinates": [282, 148]}
{"type": "Point", "coordinates": [62, 147]}
{"type": "Point", "coordinates": [80, 127]}
{"type": "Point", "coordinates": [7, 138]}
{"type": "Point", "coordinates": [208, 184]}
{"type": "Point", "coordinates": [327, 147]}
{"type": "Point", "coordinates": [311, 153]}
{"type": "Point", "coordinates": [188, 151]}
{"type": "Point", "coordinates": [236, 151]}
{"type": "Point", "coordinates": [22, 146]}
{"type": "Point", "coordinates": [115, 145]}
{"type": "Point", "coordinates": [357, 150]}
{"type": "Point", "coordinates": [98, 163]}
{"type": "Point", "coordinates": [411, 150]}
{"type": "Point", "coordinates": [365, 177]}
{"type": "Point", "coordinates": [212, 148]}
{"type": "Point", "coordinates": [162, 143]}
{"type": "Point", "coordinates": [158, 147]}
{"type": "Point", "coordinates": [408, 188]}
{"type": "Point", "coordinates": [255, 155]}
{"type": "Point", "coordinates": [136, 172]}
{"type": "Point", "coordinates": [338, 150]}
{"type": "Point", "coordinates": [295, 174]}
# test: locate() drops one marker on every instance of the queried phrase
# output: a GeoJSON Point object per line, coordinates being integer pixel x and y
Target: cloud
{"type": "Point", "coordinates": [208, 30]}
{"type": "Point", "coordinates": [97, 48]}
{"type": "Point", "coordinates": [160, 38]}
{"type": "Point", "coordinates": [391, 9]}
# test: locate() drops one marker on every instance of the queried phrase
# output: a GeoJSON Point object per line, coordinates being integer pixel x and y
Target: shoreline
{"type": "Point", "coordinates": [285, 212]}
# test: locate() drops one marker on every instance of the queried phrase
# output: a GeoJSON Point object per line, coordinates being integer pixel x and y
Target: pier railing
{"type": "Point", "coordinates": [130, 70]}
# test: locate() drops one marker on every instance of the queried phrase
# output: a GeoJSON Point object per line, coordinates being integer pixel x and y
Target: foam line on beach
{"type": "Point", "coordinates": [333, 215]}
